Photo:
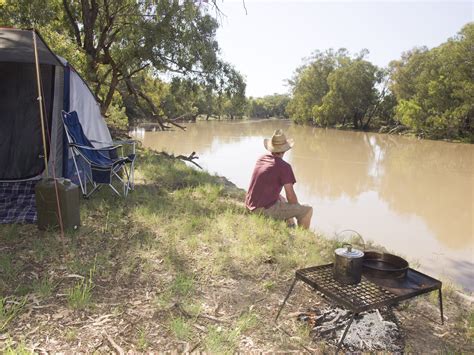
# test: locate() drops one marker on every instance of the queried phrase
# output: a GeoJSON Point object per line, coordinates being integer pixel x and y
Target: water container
{"type": "Point", "coordinates": [46, 204]}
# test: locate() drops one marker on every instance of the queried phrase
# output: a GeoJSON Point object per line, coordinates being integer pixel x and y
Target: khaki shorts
{"type": "Point", "coordinates": [284, 210]}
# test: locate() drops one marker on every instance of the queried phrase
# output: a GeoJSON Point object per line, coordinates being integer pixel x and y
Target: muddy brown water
{"type": "Point", "coordinates": [415, 197]}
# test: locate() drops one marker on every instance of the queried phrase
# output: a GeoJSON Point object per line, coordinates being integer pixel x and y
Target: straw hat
{"type": "Point", "coordinates": [278, 143]}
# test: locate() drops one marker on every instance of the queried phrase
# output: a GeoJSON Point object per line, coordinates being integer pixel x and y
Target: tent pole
{"type": "Point", "coordinates": [40, 102]}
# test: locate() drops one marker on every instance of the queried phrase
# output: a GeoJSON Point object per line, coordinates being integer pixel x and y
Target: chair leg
{"type": "Point", "coordinates": [83, 187]}
{"type": "Point", "coordinates": [114, 189]}
{"type": "Point", "coordinates": [127, 185]}
{"type": "Point", "coordinates": [132, 175]}
{"type": "Point", "coordinates": [94, 189]}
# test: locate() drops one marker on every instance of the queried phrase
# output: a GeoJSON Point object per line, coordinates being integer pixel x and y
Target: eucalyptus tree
{"type": "Point", "coordinates": [268, 106]}
{"type": "Point", "coordinates": [234, 91]}
{"type": "Point", "coordinates": [352, 95]}
{"type": "Point", "coordinates": [335, 88]}
{"type": "Point", "coordinates": [120, 38]}
{"type": "Point", "coordinates": [310, 83]}
{"type": "Point", "coordinates": [435, 88]}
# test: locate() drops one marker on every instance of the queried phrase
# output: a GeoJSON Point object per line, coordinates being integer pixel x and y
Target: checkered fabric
{"type": "Point", "coordinates": [17, 202]}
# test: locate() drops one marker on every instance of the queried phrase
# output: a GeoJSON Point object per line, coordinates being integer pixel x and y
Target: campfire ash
{"type": "Point", "coordinates": [368, 332]}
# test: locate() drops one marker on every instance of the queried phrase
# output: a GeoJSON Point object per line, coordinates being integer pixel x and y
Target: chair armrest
{"type": "Point", "coordinates": [96, 149]}
{"type": "Point", "coordinates": [127, 141]}
{"type": "Point", "coordinates": [120, 143]}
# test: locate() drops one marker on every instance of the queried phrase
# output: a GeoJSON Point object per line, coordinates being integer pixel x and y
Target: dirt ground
{"type": "Point", "coordinates": [125, 319]}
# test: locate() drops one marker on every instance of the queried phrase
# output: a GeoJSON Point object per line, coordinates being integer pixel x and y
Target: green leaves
{"type": "Point", "coordinates": [435, 88]}
{"type": "Point", "coordinates": [334, 88]}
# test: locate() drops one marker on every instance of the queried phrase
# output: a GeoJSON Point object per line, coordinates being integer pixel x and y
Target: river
{"type": "Point", "coordinates": [414, 197]}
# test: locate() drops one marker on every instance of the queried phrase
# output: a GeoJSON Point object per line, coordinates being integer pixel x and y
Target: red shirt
{"type": "Point", "coordinates": [269, 176]}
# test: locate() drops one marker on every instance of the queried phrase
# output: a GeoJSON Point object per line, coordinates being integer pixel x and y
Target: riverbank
{"type": "Point", "coordinates": [179, 266]}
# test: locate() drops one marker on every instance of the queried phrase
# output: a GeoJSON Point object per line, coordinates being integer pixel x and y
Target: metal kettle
{"type": "Point", "coordinates": [348, 264]}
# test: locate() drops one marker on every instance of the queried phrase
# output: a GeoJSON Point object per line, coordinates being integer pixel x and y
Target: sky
{"type": "Point", "coordinates": [270, 41]}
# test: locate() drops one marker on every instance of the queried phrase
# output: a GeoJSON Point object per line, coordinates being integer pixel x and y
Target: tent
{"type": "Point", "coordinates": [21, 142]}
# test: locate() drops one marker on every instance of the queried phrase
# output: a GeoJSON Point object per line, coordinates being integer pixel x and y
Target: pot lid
{"type": "Point", "coordinates": [348, 252]}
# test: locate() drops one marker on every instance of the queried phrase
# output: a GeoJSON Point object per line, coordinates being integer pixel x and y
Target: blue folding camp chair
{"type": "Point", "coordinates": [98, 166]}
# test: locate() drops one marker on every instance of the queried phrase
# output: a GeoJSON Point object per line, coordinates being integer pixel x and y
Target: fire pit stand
{"type": "Point", "coordinates": [369, 294]}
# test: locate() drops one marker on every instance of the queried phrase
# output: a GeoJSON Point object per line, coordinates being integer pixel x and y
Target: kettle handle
{"type": "Point", "coordinates": [353, 231]}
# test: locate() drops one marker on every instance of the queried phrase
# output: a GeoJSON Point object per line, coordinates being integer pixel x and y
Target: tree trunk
{"type": "Point", "coordinates": [104, 106]}
{"type": "Point", "coordinates": [355, 121]}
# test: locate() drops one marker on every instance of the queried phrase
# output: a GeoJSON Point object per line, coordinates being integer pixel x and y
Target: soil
{"type": "Point", "coordinates": [124, 309]}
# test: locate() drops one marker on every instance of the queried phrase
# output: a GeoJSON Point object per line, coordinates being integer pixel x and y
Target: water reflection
{"type": "Point", "coordinates": [414, 197]}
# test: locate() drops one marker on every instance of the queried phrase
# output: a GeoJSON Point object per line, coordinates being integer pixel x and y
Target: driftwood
{"type": "Point", "coordinates": [397, 129]}
{"type": "Point", "coordinates": [191, 157]}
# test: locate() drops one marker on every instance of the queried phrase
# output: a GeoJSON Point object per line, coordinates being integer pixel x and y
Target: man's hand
{"type": "Point", "coordinates": [290, 194]}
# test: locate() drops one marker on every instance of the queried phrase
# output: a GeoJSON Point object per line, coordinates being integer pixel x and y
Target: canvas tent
{"type": "Point", "coordinates": [21, 144]}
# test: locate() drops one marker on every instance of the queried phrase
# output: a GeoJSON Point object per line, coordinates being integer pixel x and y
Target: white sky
{"type": "Point", "coordinates": [269, 42]}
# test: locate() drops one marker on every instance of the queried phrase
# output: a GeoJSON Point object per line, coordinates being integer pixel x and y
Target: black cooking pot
{"type": "Point", "coordinates": [384, 265]}
{"type": "Point", "coordinates": [348, 264]}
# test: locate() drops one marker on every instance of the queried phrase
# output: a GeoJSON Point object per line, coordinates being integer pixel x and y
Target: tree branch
{"type": "Point", "coordinates": [72, 20]}
{"type": "Point", "coordinates": [136, 94]}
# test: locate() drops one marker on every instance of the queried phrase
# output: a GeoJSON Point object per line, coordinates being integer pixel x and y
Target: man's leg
{"type": "Point", "coordinates": [305, 221]}
{"type": "Point", "coordinates": [290, 221]}
{"type": "Point", "coordinates": [286, 211]}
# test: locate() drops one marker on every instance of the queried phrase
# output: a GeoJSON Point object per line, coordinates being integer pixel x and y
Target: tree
{"type": "Point", "coordinates": [352, 95]}
{"type": "Point", "coordinates": [120, 38]}
{"type": "Point", "coordinates": [434, 88]}
{"type": "Point", "coordinates": [268, 106]}
{"type": "Point", "coordinates": [309, 84]}
{"type": "Point", "coordinates": [335, 88]}
{"type": "Point", "coordinates": [233, 89]}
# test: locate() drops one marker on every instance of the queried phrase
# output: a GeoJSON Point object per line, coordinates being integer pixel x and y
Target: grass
{"type": "Point", "coordinates": [220, 340]}
{"type": "Point", "coordinates": [13, 348]}
{"type": "Point", "coordinates": [182, 285]}
{"type": "Point", "coordinates": [10, 308]}
{"type": "Point", "coordinates": [7, 267]}
{"type": "Point", "coordinates": [268, 285]}
{"type": "Point", "coordinates": [183, 246]}
{"type": "Point", "coordinates": [142, 339]}
{"type": "Point", "coordinates": [44, 287]}
{"type": "Point", "coordinates": [80, 295]}
{"type": "Point", "coordinates": [178, 292]}
{"type": "Point", "coordinates": [246, 322]}
{"type": "Point", "coordinates": [470, 325]}
{"type": "Point", "coordinates": [180, 328]}
{"type": "Point", "coordinates": [71, 335]}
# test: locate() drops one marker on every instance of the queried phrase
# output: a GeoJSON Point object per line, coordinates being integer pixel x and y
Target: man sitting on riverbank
{"type": "Point", "coordinates": [270, 175]}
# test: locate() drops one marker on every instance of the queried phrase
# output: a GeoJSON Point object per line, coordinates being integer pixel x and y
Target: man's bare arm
{"type": "Point", "coordinates": [290, 193]}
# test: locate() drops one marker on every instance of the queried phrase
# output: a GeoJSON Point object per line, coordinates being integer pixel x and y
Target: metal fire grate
{"type": "Point", "coordinates": [357, 298]}
{"type": "Point", "coordinates": [368, 294]}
